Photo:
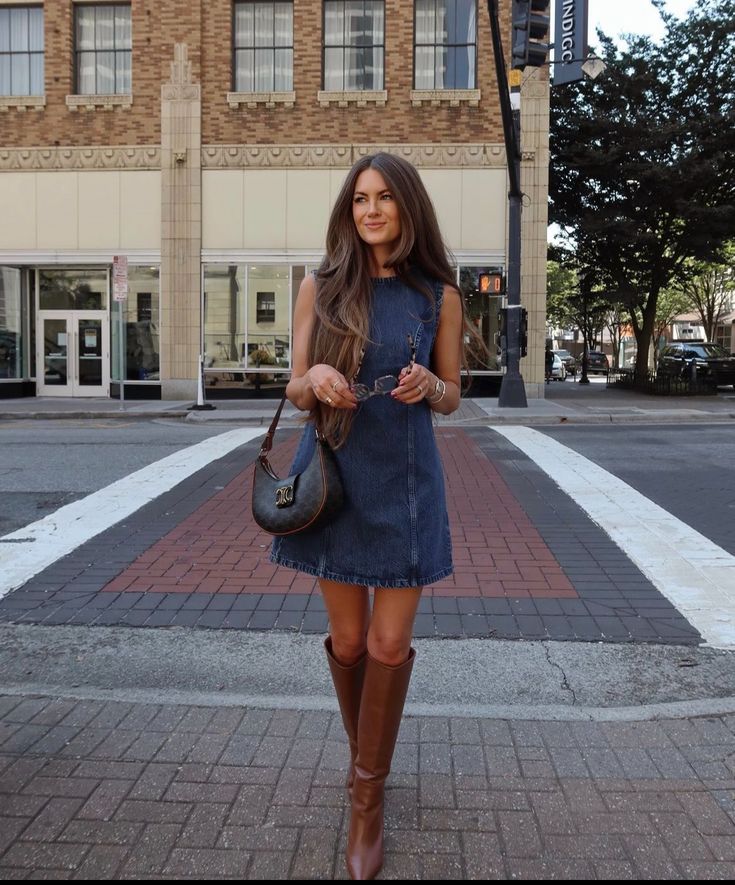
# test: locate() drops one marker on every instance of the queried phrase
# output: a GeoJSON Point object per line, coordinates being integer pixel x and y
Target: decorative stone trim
{"type": "Point", "coordinates": [22, 102]}
{"type": "Point", "coordinates": [361, 98]}
{"type": "Point", "coordinates": [237, 156]}
{"type": "Point", "coordinates": [93, 102]}
{"type": "Point", "coordinates": [453, 97]}
{"type": "Point", "coordinates": [44, 159]}
{"type": "Point", "coordinates": [253, 99]}
{"type": "Point", "coordinates": [528, 156]}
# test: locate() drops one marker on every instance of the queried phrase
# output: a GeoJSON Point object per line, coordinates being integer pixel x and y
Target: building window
{"type": "Point", "coordinates": [103, 45]}
{"type": "Point", "coordinates": [11, 323]}
{"type": "Point", "coordinates": [265, 311]}
{"type": "Point", "coordinates": [482, 311]}
{"type": "Point", "coordinates": [354, 45]}
{"type": "Point", "coordinates": [263, 46]}
{"type": "Point", "coordinates": [446, 44]}
{"type": "Point", "coordinates": [21, 50]}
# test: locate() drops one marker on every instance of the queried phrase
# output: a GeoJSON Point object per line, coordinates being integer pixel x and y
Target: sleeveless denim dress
{"type": "Point", "coordinates": [393, 530]}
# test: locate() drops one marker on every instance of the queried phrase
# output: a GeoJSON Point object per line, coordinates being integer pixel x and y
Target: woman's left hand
{"type": "Point", "coordinates": [415, 383]}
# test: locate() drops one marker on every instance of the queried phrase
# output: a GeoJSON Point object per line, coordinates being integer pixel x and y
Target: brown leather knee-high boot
{"type": "Point", "coordinates": [348, 686]}
{"type": "Point", "coordinates": [383, 696]}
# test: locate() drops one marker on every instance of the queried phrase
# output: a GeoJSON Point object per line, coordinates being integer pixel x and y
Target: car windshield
{"type": "Point", "coordinates": [708, 350]}
{"type": "Point", "coordinates": [563, 353]}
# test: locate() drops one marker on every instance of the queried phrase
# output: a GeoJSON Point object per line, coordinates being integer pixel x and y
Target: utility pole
{"type": "Point", "coordinates": [530, 23]}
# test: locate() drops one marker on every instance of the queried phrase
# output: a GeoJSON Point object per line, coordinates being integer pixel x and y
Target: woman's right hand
{"type": "Point", "coordinates": [331, 387]}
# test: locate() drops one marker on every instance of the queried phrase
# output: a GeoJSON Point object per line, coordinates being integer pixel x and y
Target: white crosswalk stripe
{"type": "Point", "coordinates": [693, 573]}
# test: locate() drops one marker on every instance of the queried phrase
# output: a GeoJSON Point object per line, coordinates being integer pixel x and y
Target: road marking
{"type": "Point", "coordinates": [693, 573]}
{"type": "Point", "coordinates": [42, 543]}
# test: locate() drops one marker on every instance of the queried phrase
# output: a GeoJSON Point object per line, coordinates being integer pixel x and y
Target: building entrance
{"type": "Point", "coordinates": [73, 333]}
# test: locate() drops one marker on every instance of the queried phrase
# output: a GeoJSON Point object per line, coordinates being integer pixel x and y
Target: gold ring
{"type": "Point", "coordinates": [336, 384]}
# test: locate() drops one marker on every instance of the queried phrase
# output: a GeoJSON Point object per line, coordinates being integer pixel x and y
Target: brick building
{"type": "Point", "coordinates": [205, 142]}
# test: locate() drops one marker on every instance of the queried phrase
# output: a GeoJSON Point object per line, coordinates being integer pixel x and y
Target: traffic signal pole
{"type": "Point", "coordinates": [512, 387]}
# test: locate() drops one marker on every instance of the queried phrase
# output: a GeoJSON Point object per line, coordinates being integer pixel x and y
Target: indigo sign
{"type": "Point", "coordinates": [570, 40]}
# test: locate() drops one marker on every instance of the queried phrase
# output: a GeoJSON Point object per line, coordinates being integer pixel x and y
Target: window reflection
{"type": "Point", "coordinates": [482, 309]}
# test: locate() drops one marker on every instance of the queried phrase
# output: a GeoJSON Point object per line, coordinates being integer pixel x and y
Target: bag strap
{"type": "Point", "coordinates": [268, 441]}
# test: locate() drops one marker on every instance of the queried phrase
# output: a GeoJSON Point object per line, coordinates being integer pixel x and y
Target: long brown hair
{"type": "Point", "coordinates": [343, 283]}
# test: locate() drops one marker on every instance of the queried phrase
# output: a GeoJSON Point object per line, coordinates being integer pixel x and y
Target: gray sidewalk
{"type": "Point", "coordinates": [567, 402]}
{"type": "Point", "coordinates": [165, 770]}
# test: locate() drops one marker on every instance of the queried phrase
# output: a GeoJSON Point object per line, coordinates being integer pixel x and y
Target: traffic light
{"type": "Point", "coordinates": [502, 336]}
{"type": "Point", "coordinates": [531, 22]}
{"type": "Point", "coordinates": [523, 332]}
{"type": "Point", "coordinates": [490, 283]}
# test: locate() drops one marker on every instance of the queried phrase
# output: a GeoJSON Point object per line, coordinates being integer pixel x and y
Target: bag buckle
{"type": "Point", "coordinates": [284, 496]}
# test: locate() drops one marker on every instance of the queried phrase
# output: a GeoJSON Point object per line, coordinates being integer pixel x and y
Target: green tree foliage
{"type": "Point", "coordinates": [643, 160]}
{"type": "Point", "coordinates": [710, 290]}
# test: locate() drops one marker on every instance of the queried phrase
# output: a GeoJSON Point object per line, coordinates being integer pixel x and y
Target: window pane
{"type": "Point", "coordinates": [36, 73]}
{"type": "Point", "coordinates": [376, 13]}
{"type": "Point", "coordinates": [85, 27]}
{"type": "Point", "coordinates": [224, 319]}
{"type": "Point", "coordinates": [85, 73]}
{"type": "Point", "coordinates": [284, 24]}
{"type": "Point", "coordinates": [465, 23]}
{"type": "Point", "coordinates": [374, 68]}
{"type": "Point", "coordinates": [4, 31]}
{"type": "Point", "coordinates": [104, 34]}
{"type": "Point", "coordinates": [284, 70]}
{"type": "Point", "coordinates": [4, 75]}
{"type": "Point", "coordinates": [123, 37]}
{"type": "Point", "coordinates": [333, 74]}
{"type": "Point", "coordinates": [19, 30]}
{"type": "Point", "coordinates": [20, 74]}
{"type": "Point", "coordinates": [425, 21]}
{"type": "Point", "coordinates": [450, 61]}
{"type": "Point", "coordinates": [11, 326]}
{"type": "Point", "coordinates": [424, 67]}
{"type": "Point", "coordinates": [356, 23]}
{"type": "Point", "coordinates": [105, 73]}
{"type": "Point", "coordinates": [268, 317]}
{"type": "Point", "coordinates": [440, 68]}
{"type": "Point", "coordinates": [244, 71]}
{"type": "Point", "coordinates": [264, 24]}
{"type": "Point", "coordinates": [263, 70]}
{"type": "Point", "coordinates": [441, 21]}
{"type": "Point", "coordinates": [334, 24]}
{"type": "Point", "coordinates": [35, 30]}
{"type": "Point", "coordinates": [142, 324]}
{"type": "Point", "coordinates": [123, 73]}
{"type": "Point", "coordinates": [244, 24]}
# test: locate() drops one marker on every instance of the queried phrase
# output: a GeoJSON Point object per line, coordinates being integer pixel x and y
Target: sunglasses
{"type": "Point", "coordinates": [383, 385]}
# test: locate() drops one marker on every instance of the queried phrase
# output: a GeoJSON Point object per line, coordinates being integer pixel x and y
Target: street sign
{"type": "Point", "coordinates": [570, 41]}
{"type": "Point", "coordinates": [120, 277]}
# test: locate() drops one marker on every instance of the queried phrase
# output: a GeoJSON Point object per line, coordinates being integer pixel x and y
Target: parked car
{"type": "Point", "coordinates": [558, 370]}
{"type": "Point", "coordinates": [597, 362]}
{"type": "Point", "coordinates": [712, 363]}
{"type": "Point", "coordinates": [570, 363]}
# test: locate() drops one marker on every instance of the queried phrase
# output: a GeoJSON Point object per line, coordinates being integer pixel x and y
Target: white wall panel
{"type": "Point", "coordinates": [223, 192]}
{"type": "Point", "coordinates": [18, 213]}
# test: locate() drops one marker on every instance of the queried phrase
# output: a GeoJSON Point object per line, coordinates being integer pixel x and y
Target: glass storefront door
{"type": "Point", "coordinates": [73, 332]}
{"type": "Point", "coordinates": [73, 353]}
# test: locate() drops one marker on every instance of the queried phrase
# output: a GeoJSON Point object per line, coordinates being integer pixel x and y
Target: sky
{"type": "Point", "coordinates": [631, 16]}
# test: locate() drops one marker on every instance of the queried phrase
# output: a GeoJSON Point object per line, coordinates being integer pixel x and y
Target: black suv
{"type": "Point", "coordinates": [597, 362]}
{"type": "Point", "coordinates": [712, 363]}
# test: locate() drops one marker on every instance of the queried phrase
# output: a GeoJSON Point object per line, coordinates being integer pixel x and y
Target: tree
{"type": "Point", "coordinates": [671, 302]}
{"type": "Point", "coordinates": [642, 176]}
{"type": "Point", "coordinates": [710, 290]}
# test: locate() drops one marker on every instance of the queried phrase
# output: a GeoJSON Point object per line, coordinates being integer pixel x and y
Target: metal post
{"type": "Point", "coordinates": [585, 285]}
{"type": "Point", "coordinates": [512, 388]}
{"type": "Point", "coordinates": [121, 351]}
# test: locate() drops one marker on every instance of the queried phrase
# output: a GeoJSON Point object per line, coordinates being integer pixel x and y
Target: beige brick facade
{"type": "Point", "coordinates": [188, 114]}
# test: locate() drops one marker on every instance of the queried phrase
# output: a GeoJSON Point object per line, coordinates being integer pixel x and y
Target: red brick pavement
{"type": "Point", "coordinates": [219, 549]}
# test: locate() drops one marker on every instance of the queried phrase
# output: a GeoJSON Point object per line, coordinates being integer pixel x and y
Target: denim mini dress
{"type": "Point", "coordinates": [393, 530]}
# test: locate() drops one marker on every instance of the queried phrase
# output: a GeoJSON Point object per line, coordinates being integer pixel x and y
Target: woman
{"type": "Point", "coordinates": [378, 347]}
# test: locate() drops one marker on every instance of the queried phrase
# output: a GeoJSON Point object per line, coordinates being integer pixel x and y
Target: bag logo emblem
{"type": "Point", "coordinates": [284, 496]}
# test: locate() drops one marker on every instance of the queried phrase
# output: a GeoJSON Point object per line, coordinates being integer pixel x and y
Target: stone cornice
{"type": "Point", "coordinates": [234, 156]}
{"type": "Point", "coordinates": [22, 102]}
{"type": "Point", "coordinates": [48, 158]}
{"type": "Point", "coordinates": [251, 156]}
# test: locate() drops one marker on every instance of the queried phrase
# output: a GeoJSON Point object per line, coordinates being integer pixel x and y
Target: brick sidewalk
{"type": "Point", "coordinates": [529, 563]}
{"type": "Point", "coordinates": [110, 790]}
